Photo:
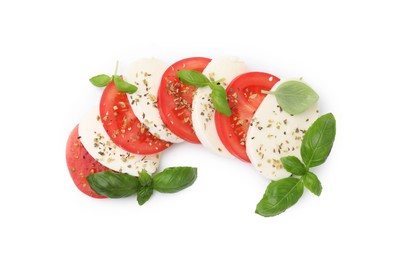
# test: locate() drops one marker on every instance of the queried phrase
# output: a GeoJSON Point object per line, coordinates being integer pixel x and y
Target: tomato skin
{"type": "Point", "coordinates": [81, 164]}
{"type": "Point", "coordinates": [123, 127]}
{"type": "Point", "coordinates": [175, 98]}
{"type": "Point", "coordinates": [244, 95]}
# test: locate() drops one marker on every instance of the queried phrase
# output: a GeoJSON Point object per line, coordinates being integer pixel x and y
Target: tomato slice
{"type": "Point", "coordinates": [123, 127]}
{"type": "Point", "coordinates": [245, 96]}
{"type": "Point", "coordinates": [175, 99]}
{"type": "Point", "coordinates": [81, 164]}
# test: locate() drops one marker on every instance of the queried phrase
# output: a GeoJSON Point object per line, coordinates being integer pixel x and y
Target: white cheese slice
{"type": "Point", "coordinates": [146, 74]}
{"type": "Point", "coordinates": [203, 111]}
{"type": "Point", "coordinates": [99, 145]}
{"type": "Point", "coordinates": [273, 134]}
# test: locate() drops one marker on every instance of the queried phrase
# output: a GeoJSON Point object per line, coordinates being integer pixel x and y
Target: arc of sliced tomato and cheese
{"type": "Point", "coordinates": [99, 145]}
{"type": "Point", "coordinates": [146, 75]}
{"type": "Point", "coordinates": [273, 134]}
{"type": "Point", "coordinates": [203, 111]}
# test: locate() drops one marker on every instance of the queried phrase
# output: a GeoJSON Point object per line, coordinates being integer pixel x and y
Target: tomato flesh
{"type": "Point", "coordinates": [123, 127]}
{"type": "Point", "coordinates": [175, 99]}
{"type": "Point", "coordinates": [81, 164]}
{"type": "Point", "coordinates": [245, 96]}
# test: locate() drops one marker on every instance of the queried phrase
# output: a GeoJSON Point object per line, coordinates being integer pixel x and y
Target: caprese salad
{"type": "Point", "coordinates": [256, 117]}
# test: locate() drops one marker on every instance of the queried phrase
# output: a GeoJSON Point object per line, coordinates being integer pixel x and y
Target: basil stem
{"type": "Point", "coordinates": [103, 80]}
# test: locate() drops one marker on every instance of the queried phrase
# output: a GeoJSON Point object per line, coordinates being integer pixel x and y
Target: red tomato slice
{"type": "Point", "coordinates": [81, 164]}
{"type": "Point", "coordinates": [244, 95]}
{"type": "Point", "coordinates": [123, 127]}
{"type": "Point", "coordinates": [175, 99]}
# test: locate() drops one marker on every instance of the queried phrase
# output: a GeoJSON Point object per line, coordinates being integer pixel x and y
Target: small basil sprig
{"type": "Point", "coordinates": [120, 185]}
{"type": "Point", "coordinates": [315, 148]}
{"type": "Point", "coordinates": [102, 80]}
{"type": "Point", "coordinates": [199, 80]}
{"type": "Point", "coordinates": [294, 96]}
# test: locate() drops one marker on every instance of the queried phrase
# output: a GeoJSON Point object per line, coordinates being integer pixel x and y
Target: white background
{"type": "Point", "coordinates": [347, 50]}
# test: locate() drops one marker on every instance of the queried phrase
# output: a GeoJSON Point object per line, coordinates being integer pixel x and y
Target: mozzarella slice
{"type": "Point", "coordinates": [146, 74]}
{"type": "Point", "coordinates": [99, 145]}
{"type": "Point", "coordinates": [226, 68]}
{"type": "Point", "coordinates": [273, 134]}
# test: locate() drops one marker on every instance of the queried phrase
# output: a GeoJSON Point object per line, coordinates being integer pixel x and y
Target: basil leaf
{"type": "Point", "coordinates": [100, 80]}
{"type": "Point", "coordinates": [174, 179]}
{"type": "Point", "coordinates": [219, 99]}
{"type": "Point", "coordinates": [144, 194]}
{"type": "Point", "coordinates": [144, 178]}
{"type": "Point", "coordinates": [295, 96]}
{"type": "Point", "coordinates": [279, 196]}
{"type": "Point", "coordinates": [312, 183]}
{"type": "Point", "coordinates": [193, 78]}
{"type": "Point", "coordinates": [146, 189]}
{"type": "Point", "coordinates": [113, 185]}
{"type": "Point", "coordinates": [293, 165]}
{"type": "Point", "coordinates": [318, 141]}
{"type": "Point", "coordinates": [124, 86]}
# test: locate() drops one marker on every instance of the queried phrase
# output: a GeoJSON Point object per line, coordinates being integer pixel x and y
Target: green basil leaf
{"type": "Point", "coordinates": [193, 78]}
{"type": "Point", "coordinates": [279, 196]}
{"type": "Point", "coordinates": [219, 99]}
{"type": "Point", "coordinates": [174, 179]}
{"type": "Point", "coordinates": [144, 178]}
{"type": "Point", "coordinates": [124, 86]}
{"type": "Point", "coordinates": [293, 165]}
{"type": "Point", "coordinates": [113, 185]}
{"type": "Point", "coordinates": [318, 141]}
{"type": "Point", "coordinates": [101, 80]}
{"type": "Point", "coordinates": [295, 96]}
{"type": "Point", "coordinates": [312, 183]}
{"type": "Point", "coordinates": [144, 194]}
